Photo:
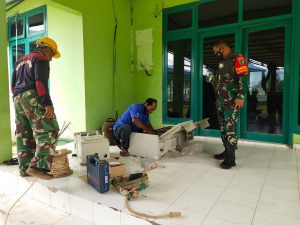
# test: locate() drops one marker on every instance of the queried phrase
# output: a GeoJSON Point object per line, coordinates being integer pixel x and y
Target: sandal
{"type": "Point", "coordinates": [124, 153]}
{"type": "Point", "coordinates": [10, 162]}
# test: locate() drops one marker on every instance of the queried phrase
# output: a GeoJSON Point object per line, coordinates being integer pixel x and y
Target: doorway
{"type": "Point", "coordinates": [263, 117]}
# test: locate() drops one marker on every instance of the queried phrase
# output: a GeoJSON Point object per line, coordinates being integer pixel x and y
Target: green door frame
{"type": "Point", "coordinates": [287, 77]}
{"type": "Point", "coordinates": [296, 69]}
{"type": "Point", "coordinates": [176, 35]}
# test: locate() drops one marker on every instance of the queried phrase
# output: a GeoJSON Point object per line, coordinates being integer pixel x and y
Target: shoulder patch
{"type": "Point", "coordinates": [240, 65]}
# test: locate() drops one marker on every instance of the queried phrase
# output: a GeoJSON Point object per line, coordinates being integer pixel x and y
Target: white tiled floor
{"type": "Point", "coordinates": [263, 189]}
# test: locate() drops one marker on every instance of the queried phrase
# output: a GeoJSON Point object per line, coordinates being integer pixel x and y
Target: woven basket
{"type": "Point", "coordinates": [60, 165]}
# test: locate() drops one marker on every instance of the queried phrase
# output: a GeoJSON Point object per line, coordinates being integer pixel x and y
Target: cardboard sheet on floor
{"type": "Point", "coordinates": [116, 169]}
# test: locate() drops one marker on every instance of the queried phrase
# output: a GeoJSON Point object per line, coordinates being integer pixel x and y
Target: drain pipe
{"type": "Point", "coordinates": [16, 26]}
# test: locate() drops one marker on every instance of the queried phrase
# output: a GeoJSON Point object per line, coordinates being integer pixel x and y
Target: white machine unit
{"type": "Point", "coordinates": [89, 143]}
{"type": "Point", "coordinates": [155, 146]}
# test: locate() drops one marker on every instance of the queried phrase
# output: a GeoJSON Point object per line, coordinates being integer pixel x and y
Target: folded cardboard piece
{"type": "Point", "coordinates": [116, 169]}
{"type": "Point", "coordinates": [187, 126]}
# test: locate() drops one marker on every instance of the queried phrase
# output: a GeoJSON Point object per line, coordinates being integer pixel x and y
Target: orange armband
{"type": "Point", "coordinates": [240, 65]}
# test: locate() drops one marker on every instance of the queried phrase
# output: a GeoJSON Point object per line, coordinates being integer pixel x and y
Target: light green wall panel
{"type": "Point", "coordinates": [296, 139]}
{"type": "Point", "coordinates": [98, 27]}
{"type": "Point", "coordinates": [26, 6]}
{"type": "Point", "coordinates": [5, 140]}
{"type": "Point", "coordinates": [102, 99]}
{"type": "Point", "coordinates": [144, 86]}
{"type": "Point", "coordinates": [67, 73]}
{"type": "Point", "coordinates": [171, 3]}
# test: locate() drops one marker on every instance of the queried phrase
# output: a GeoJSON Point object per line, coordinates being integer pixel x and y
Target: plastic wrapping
{"type": "Point", "coordinates": [190, 148]}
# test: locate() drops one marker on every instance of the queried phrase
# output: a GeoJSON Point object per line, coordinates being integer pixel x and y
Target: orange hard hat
{"type": "Point", "coordinates": [45, 41]}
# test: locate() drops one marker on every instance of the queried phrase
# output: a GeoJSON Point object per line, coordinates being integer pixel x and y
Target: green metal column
{"type": "Point", "coordinates": [5, 138]}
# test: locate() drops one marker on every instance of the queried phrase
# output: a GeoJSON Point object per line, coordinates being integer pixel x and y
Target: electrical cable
{"type": "Point", "coordinates": [63, 129]}
{"type": "Point", "coordinates": [131, 38]}
{"type": "Point", "coordinates": [18, 200]}
{"type": "Point", "coordinates": [115, 59]}
{"type": "Point", "coordinates": [16, 26]}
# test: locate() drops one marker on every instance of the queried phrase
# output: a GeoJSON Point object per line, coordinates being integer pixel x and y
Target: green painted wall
{"type": "Point", "coordinates": [5, 140]}
{"type": "Point", "coordinates": [98, 27]}
{"type": "Point", "coordinates": [102, 99]}
{"type": "Point", "coordinates": [151, 86]}
{"type": "Point", "coordinates": [172, 3]}
{"type": "Point", "coordinates": [99, 77]}
{"type": "Point", "coordinates": [67, 73]}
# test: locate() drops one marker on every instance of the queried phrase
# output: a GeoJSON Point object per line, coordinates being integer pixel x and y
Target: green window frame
{"type": "Point", "coordinates": [41, 10]}
{"type": "Point", "coordinates": [177, 35]}
{"type": "Point", "coordinates": [11, 21]}
{"type": "Point", "coordinates": [24, 17]}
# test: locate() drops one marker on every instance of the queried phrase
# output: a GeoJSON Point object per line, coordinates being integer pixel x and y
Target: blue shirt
{"type": "Point", "coordinates": [134, 111]}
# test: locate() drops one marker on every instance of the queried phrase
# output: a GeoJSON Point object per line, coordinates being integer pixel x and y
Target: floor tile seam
{"type": "Point", "coordinates": [62, 219]}
{"type": "Point", "coordinates": [30, 214]}
{"type": "Point", "coordinates": [21, 195]}
{"type": "Point", "coordinates": [67, 215]}
{"type": "Point", "coordinates": [263, 184]}
{"type": "Point", "coordinates": [225, 188]}
{"type": "Point", "coordinates": [279, 213]}
{"type": "Point", "coordinates": [170, 205]}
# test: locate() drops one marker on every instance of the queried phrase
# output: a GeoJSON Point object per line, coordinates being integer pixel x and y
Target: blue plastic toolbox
{"type": "Point", "coordinates": [98, 173]}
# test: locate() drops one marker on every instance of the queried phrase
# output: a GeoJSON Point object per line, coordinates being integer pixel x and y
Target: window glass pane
{"type": "Point", "coordinates": [32, 46]}
{"type": "Point", "coordinates": [179, 78]}
{"type": "Point", "coordinates": [218, 13]}
{"type": "Point", "coordinates": [17, 52]}
{"type": "Point", "coordinates": [266, 81]}
{"type": "Point", "coordinates": [180, 20]}
{"type": "Point", "coordinates": [255, 9]}
{"type": "Point", "coordinates": [209, 85]}
{"type": "Point", "coordinates": [36, 23]}
{"type": "Point", "coordinates": [17, 30]}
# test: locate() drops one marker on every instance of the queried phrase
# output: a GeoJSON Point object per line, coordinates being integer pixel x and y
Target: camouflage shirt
{"type": "Point", "coordinates": [231, 79]}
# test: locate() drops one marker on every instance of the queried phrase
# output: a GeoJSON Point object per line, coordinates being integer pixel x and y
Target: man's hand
{"type": "Point", "coordinates": [150, 131]}
{"type": "Point", "coordinates": [49, 112]}
{"type": "Point", "coordinates": [145, 128]}
{"type": "Point", "coordinates": [238, 103]}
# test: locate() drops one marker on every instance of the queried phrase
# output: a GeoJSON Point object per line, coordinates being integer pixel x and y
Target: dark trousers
{"type": "Point", "coordinates": [122, 133]}
{"type": "Point", "coordinates": [274, 104]}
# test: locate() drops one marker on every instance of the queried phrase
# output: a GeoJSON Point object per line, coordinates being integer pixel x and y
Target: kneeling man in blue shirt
{"type": "Point", "coordinates": [134, 119]}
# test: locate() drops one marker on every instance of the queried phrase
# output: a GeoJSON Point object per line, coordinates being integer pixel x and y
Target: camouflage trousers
{"type": "Point", "coordinates": [228, 118]}
{"type": "Point", "coordinates": [36, 135]}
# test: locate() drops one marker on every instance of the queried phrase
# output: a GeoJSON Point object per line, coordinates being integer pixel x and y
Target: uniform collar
{"type": "Point", "coordinates": [230, 56]}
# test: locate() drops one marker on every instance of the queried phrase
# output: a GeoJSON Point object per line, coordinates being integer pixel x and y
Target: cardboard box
{"type": "Point", "coordinates": [116, 169]}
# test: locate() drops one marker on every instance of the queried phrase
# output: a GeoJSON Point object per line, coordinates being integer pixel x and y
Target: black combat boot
{"type": "Point", "coordinates": [220, 156]}
{"type": "Point", "coordinates": [229, 160]}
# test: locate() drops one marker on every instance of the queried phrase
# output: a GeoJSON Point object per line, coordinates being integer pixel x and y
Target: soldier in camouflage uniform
{"type": "Point", "coordinates": [231, 89]}
{"type": "Point", "coordinates": [36, 124]}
